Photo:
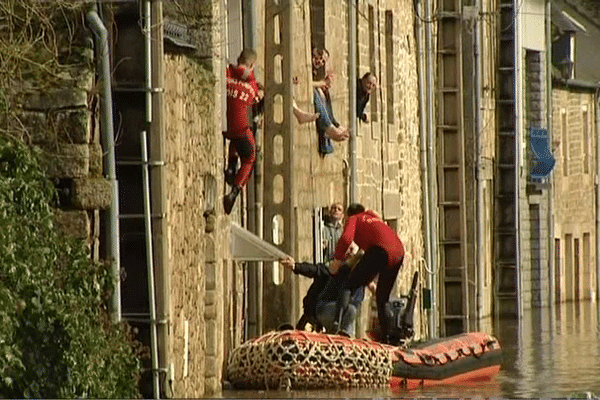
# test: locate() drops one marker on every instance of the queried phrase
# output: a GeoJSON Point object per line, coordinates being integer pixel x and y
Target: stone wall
{"type": "Point", "coordinates": [574, 190]}
{"type": "Point", "coordinates": [389, 174]}
{"type": "Point", "coordinates": [387, 154]}
{"type": "Point", "coordinates": [534, 246]}
{"type": "Point", "coordinates": [61, 118]}
{"type": "Point", "coordinates": [388, 162]}
{"type": "Point", "coordinates": [203, 279]}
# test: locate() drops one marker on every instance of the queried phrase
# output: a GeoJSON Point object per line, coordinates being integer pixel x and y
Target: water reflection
{"type": "Point", "coordinates": [549, 352]}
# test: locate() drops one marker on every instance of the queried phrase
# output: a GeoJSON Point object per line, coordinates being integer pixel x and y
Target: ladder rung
{"type": "Point", "coordinates": [146, 320]}
{"type": "Point", "coordinates": [448, 127]}
{"type": "Point", "coordinates": [134, 216]}
{"type": "Point", "coordinates": [450, 241]}
{"type": "Point", "coordinates": [457, 279]}
{"type": "Point", "coordinates": [449, 14]}
{"type": "Point", "coordinates": [505, 264]}
{"type": "Point", "coordinates": [506, 295]}
{"type": "Point", "coordinates": [137, 89]}
{"type": "Point", "coordinates": [448, 52]}
{"type": "Point", "coordinates": [150, 163]}
{"type": "Point", "coordinates": [449, 203]}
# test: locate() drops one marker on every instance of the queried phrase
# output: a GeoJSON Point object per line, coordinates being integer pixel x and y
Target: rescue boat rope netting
{"type": "Point", "coordinates": [304, 360]}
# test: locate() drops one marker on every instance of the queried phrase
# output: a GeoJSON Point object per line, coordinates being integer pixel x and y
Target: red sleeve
{"type": "Point", "coordinates": [373, 214]}
{"type": "Point", "coordinates": [346, 238]}
{"type": "Point", "coordinates": [254, 84]}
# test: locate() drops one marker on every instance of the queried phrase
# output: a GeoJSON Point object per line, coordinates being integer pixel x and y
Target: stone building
{"type": "Point", "coordinates": [522, 224]}
{"type": "Point", "coordinates": [576, 27]}
{"type": "Point", "coordinates": [458, 43]}
{"type": "Point", "coordinates": [168, 80]}
{"type": "Point", "coordinates": [445, 157]}
{"type": "Point", "coordinates": [387, 174]}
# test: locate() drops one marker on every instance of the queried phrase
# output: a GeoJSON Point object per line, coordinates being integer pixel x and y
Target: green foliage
{"type": "Point", "coordinates": [56, 340]}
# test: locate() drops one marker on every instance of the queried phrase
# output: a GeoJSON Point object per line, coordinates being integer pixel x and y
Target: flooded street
{"type": "Point", "coordinates": [547, 353]}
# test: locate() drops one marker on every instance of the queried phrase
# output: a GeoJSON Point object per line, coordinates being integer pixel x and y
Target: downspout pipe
{"type": "Point", "coordinates": [158, 184]}
{"type": "Point", "coordinates": [480, 179]}
{"type": "Point", "coordinates": [423, 138]}
{"type": "Point", "coordinates": [255, 224]}
{"type": "Point", "coordinates": [150, 265]}
{"type": "Point", "coordinates": [431, 134]}
{"type": "Point", "coordinates": [108, 142]}
{"type": "Point", "coordinates": [146, 17]}
{"type": "Point", "coordinates": [597, 104]}
{"type": "Point", "coordinates": [549, 123]}
{"type": "Point", "coordinates": [352, 78]}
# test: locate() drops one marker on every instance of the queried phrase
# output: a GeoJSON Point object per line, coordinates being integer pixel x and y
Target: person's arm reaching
{"type": "Point", "coordinates": [343, 244]}
{"type": "Point", "coordinates": [305, 269]}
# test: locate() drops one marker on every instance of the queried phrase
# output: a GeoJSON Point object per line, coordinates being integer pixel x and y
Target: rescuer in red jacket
{"type": "Point", "coordinates": [384, 253]}
{"type": "Point", "coordinates": [242, 92]}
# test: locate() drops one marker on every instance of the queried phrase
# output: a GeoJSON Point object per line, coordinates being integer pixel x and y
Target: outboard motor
{"type": "Point", "coordinates": [400, 314]}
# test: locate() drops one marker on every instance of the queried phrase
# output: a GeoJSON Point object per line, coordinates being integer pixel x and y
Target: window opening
{"type": "Point", "coordinates": [389, 64]}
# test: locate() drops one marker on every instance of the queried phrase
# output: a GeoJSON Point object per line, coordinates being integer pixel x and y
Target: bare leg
{"type": "Point", "coordinates": [303, 116]}
{"type": "Point", "coordinates": [338, 134]}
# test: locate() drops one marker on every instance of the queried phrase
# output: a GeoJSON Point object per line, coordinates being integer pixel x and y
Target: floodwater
{"type": "Point", "coordinates": [546, 353]}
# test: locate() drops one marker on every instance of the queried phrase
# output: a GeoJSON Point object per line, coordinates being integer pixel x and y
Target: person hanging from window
{"type": "Point", "coordinates": [364, 87]}
{"type": "Point", "coordinates": [242, 93]}
{"type": "Point", "coordinates": [302, 116]}
{"type": "Point", "coordinates": [327, 126]}
{"type": "Point", "coordinates": [384, 254]}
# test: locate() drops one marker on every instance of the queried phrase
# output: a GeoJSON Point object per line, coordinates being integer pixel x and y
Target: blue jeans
{"type": "Point", "coordinates": [326, 316]}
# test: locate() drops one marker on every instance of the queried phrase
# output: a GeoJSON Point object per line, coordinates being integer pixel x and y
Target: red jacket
{"type": "Point", "coordinates": [367, 229]}
{"type": "Point", "coordinates": [242, 92]}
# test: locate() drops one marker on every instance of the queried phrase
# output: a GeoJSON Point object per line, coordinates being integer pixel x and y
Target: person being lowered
{"type": "Point", "coordinates": [242, 93]}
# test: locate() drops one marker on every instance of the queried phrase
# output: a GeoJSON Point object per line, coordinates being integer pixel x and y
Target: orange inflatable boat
{"type": "Point", "coordinates": [457, 359]}
{"type": "Point", "coordinates": [295, 359]}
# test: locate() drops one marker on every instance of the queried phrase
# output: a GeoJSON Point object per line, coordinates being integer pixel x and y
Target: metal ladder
{"type": "Point", "coordinates": [454, 299]}
{"type": "Point", "coordinates": [505, 229]}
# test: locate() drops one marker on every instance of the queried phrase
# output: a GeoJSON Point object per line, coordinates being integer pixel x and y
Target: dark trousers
{"type": "Point", "coordinates": [374, 262]}
{"type": "Point", "coordinates": [241, 145]}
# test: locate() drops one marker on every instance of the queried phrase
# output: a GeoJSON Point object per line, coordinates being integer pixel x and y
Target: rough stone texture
{"type": "Point", "coordinates": [388, 154]}
{"type": "Point", "coordinates": [574, 195]}
{"type": "Point", "coordinates": [194, 142]}
{"type": "Point", "coordinates": [75, 223]}
{"type": "Point", "coordinates": [68, 126]}
{"type": "Point", "coordinates": [389, 164]}
{"type": "Point", "coordinates": [533, 225]}
{"type": "Point", "coordinates": [66, 160]}
{"type": "Point", "coordinates": [71, 126]}
{"type": "Point", "coordinates": [96, 157]}
{"type": "Point", "coordinates": [53, 99]}
{"type": "Point", "coordinates": [91, 193]}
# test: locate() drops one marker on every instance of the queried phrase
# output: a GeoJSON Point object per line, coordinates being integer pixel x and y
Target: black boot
{"type": "Point", "coordinates": [231, 171]}
{"type": "Point", "coordinates": [229, 199]}
{"type": "Point", "coordinates": [342, 304]}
